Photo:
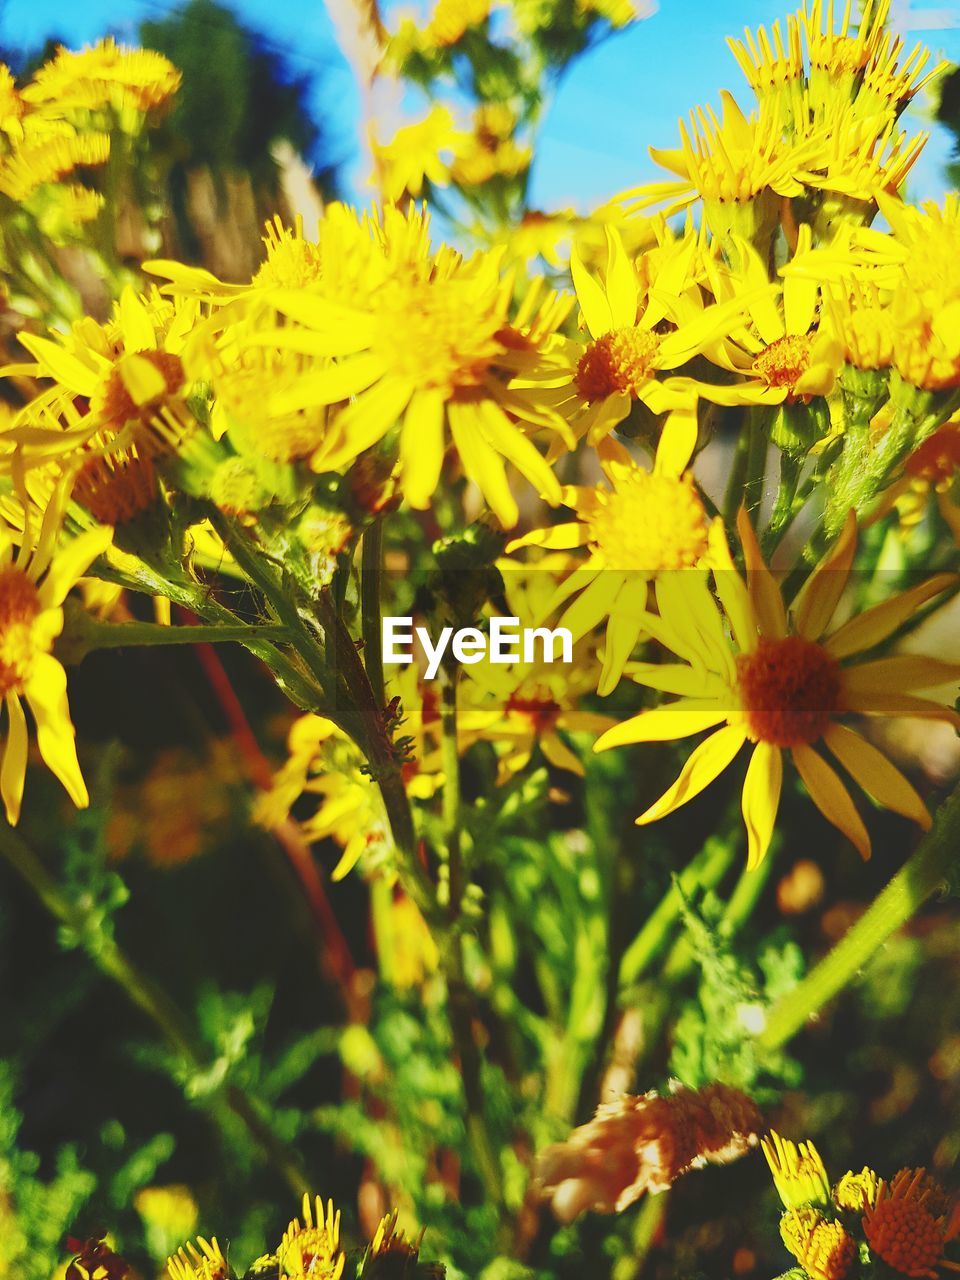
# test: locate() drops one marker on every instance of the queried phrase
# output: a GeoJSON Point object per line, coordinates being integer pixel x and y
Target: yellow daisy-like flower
{"type": "Point", "coordinates": [824, 1248]}
{"type": "Point", "coordinates": [520, 706]}
{"type": "Point", "coordinates": [782, 684]}
{"type": "Point", "coordinates": [34, 583]}
{"type": "Point", "coordinates": [434, 348]}
{"type": "Point", "coordinates": [201, 1261]}
{"type": "Point", "coordinates": [311, 1250]}
{"type": "Point", "coordinates": [413, 155]}
{"type": "Point", "coordinates": [854, 1190]}
{"type": "Point", "coordinates": [129, 373]}
{"type": "Point", "coordinates": [627, 350]}
{"type": "Point", "coordinates": [785, 353]}
{"type": "Point", "coordinates": [740, 167]}
{"type": "Point", "coordinates": [638, 525]}
{"type": "Point", "coordinates": [107, 74]}
{"type": "Point", "coordinates": [798, 1172]}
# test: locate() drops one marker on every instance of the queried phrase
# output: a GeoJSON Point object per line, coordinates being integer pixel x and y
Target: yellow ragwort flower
{"type": "Point", "coordinates": [201, 1261]}
{"type": "Point", "coordinates": [798, 1172]}
{"type": "Point", "coordinates": [311, 1250]}
{"type": "Point", "coordinates": [782, 684]}
{"type": "Point", "coordinates": [34, 583]}
{"type": "Point", "coordinates": [824, 1248]}
{"type": "Point", "coordinates": [635, 526]}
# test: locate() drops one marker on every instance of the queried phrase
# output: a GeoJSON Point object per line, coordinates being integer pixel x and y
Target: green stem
{"type": "Point", "coordinates": [87, 634]}
{"type": "Point", "coordinates": [935, 861]}
{"type": "Point", "coordinates": [148, 996]}
{"type": "Point", "coordinates": [738, 473]}
{"type": "Point", "coordinates": [450, 759]}
{"type": "Point", "coordinates": [705, 871]}
{"type": "Point", "coordinates": [785, 507]}
{"type": "Point", "coordinates": [756, 467]}
{"type": "Point", "coordinates": [371, 583]}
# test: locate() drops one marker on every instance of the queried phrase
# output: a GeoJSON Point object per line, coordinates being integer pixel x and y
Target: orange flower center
{"type": "Point", "coordinates": [789, 690]}
{"type": "Point", "coordinates": [905, 1235]}
{"type": "Point", "coordinates": [618, 361]}
{"type": "Point", "coordinates": [542, 712]}
{"type": "Point", "coordinates": [785, 361]}
{"type": "Point", "coordinates": [114, 402]}
{"type": "Point", "coordinates": [114, 490]}
{"type": "Point", "coordinates": [19, 607]}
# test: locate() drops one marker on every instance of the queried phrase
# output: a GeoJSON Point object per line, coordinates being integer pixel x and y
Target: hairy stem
{"type": "Point", "coordinates": [150, 998]}
{"type": "Point", "coordinates": [371, 584]}
{"type": "Point", "coordinates": [935, 862]}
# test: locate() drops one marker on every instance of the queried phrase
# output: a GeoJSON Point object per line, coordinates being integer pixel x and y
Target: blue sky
{"type": "Point", "coordinates": [622, 97]}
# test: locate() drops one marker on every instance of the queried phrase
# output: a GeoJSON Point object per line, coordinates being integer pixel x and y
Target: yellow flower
{"type": "Point", "coordinates": [451, 19]}
{"type": "Point", "coordinates": [129, 371]}
{"type": "Point", "coordinates": [904, 1228]}
{"type": "Point", "coordinates": [627, 350]}
{"type": "Point", "coordinates": [107, 74]}
{"type": "Point", "coordinates": [786, 354]}
{"type": "Point", "coordinates": [641, 524]}
{"type": "Point", "coordinates": [201, 1261]}
{"type": "Point", "coordinates": [313, 1248]}
{"type": "Point", "coordinates": [782, 685]}
{"type": "Point", "coordinates": [47, 155]}
{"type": "Point", "coordinates": [520, 706]}
{"type": "Point", "coordinates": [33, 586]}
{"type": "Point", "coordinates": [798, 1172]}
{"type": "Point", "coordinates": [413, 155]}
{"type": "Point", "coordinates": [854, 1190]}
{"type": "Point", "coordinates": [432, 347]}
{"type": "Point", "coordinates": [388, 1239]}
{"type": "Point", "coordinates": [824, 1248]}
{"type": "Point", "coordinates": [740, 167]}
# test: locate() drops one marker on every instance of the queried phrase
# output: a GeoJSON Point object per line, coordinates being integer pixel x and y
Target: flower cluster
{"type": "Point", "coordinates": [311, 1249]}
{"type": "Point", "coordinates": [906, 1223]}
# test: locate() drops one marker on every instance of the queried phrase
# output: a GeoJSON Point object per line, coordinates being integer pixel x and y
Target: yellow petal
{"type": "Point", "coordinates": [560, 755]}
{"type": "Point", "coordinates": [62, 366]}
{"type": "Point", "coordinates": [678, 440]}
{"type": "Point", "coordinates": [510, 441]}
{"type": "Point", "coordinates": [830, 796]}
{"type": "Point", "coordinates": [677, 677]}
{"type": "Point", "coordinates": [361, 424]}
{"type": "Point", "coordinates": [871, 702]}
{"type": "Point", "coordinates": [593, 301]}
{"type": "Point", "coordinates": [872, 771]}
{"type": "Point", "coordinates": [622, 285]}
{"type": "Point", "coordinates": [422, 448]}
{"type": "Point", "coordinates": [327, 386]}
{"type": "Point", "coordinates": [732, 591]}
{"type": "Point", "coordinates": [622, 634]}
{"type": "Point", "coordinates": [763, 589]}
{"type": "Point", "coordinates": [70, 564]}
{"type": "Point", "coordinates": [705, 764]}
{"type": "Point", "coordinates": [14, 770]}
{"type": "Point", "coordinates": [815, 605]}
{"type": "Point", "coordinates": [680, 719]}
{"type": "Point", "coordinates": [138, 332]}
{"type": "Point", "coordinates": [559, 537]}
{"type": "Point", "coordinates": [46, 692]}
{"type": "Point", "coordinates": [481, 463]}
{"type": "Point", "coordinates": [761, 799]}
{"type": "Point", "coordinates": [873, 626]}
{"type": "Point", "coordinates": [900, 674]}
